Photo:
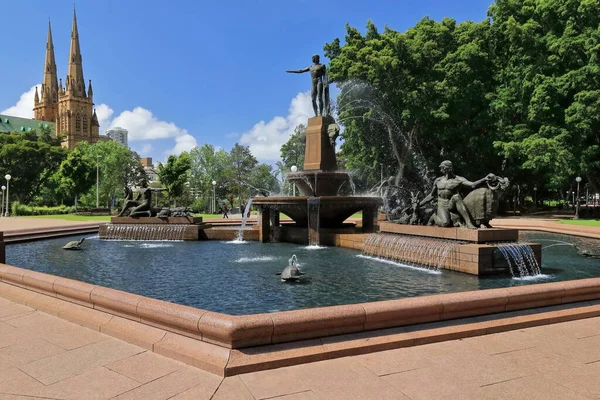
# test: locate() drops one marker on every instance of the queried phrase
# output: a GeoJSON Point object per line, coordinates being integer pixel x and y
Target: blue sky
{"type": "Point", "coordinates": [195, 72]}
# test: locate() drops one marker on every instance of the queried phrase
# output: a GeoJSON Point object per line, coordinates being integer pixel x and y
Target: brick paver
{"type": "Point", "coordinates": [560, 361]}
{"type": "Point", "coordinates": [42, 356]}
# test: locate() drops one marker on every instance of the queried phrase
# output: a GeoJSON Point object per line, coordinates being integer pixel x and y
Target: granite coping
{"type": "Point", "coordinates": [228, 362]}
{"type": "Point", "coordinates": [241, 331]}
{"type": "Point", "coordinates": [463, 234]}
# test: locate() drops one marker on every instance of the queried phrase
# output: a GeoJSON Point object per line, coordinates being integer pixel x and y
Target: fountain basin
{"type": "Point", "coordinates": [333, 211]}
{"type": "Point", "coordinates": [319, 183]}
{"type": "Point", "coordinates": [208, 339]}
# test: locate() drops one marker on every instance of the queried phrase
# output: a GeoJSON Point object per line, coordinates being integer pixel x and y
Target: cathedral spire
{"type": "Point", "coordinates": [76, 83]}
{"type": "Point", "coordinates": [49, 83]}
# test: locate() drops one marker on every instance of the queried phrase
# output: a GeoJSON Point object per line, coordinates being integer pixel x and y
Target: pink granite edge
{"type": "Point", "coordinates": [249, 330]}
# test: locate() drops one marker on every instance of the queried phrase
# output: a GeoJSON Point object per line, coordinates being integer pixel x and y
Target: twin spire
{"type": "Point", "coordinates": [74, 82]}
{"type": "Point", "coordinates": [49, 83]}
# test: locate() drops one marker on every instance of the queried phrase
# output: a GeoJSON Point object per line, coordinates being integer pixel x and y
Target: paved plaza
{"type": "Point", "coordinates": [45, 357]}
{"type": "Point", "coordinates": [11, 224]}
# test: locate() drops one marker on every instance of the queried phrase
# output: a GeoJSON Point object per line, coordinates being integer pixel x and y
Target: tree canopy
{"type": "Point", "coordinates": [31, 160]}
{"type": "Point", "coordinates": [517, 94]}
{"type": "Point", "coordinates": [174, 174]}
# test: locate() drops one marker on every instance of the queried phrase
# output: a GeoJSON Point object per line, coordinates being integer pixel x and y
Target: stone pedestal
{"type": "Point", "coordinates": [154, 228]}
{"type": "Point", "coordinates": [476, 250]}
{"type": "Point", "coordinates": [319, 153]}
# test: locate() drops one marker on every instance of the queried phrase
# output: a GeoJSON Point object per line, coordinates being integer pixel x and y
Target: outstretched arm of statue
{"type": "Point", "coordinates": [473, 185]}
{"type": "Point", "coordinates": [298, 71]}
{"type": "Point", "coordinates": [430, 196]}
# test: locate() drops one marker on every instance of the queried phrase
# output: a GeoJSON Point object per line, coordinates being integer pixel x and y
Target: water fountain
{"type": "Point", "coordinates": [146, 223]}
{"type": "Point", "coordinates": [476, 247]}
{"type": "Point", "coordinates": [319, 213]}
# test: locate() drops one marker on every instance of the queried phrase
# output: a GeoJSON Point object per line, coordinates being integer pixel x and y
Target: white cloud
{"type": "Point", "coordinates": [265, 139]}
{"type": "Point", "coordinates": [143, 125]}
{"type": "Point", "coordinates": [183, 143]}
{"type": "Point", "coordinates": [24, 107]}
{"type": "Point", "coordinates": [104, 112]}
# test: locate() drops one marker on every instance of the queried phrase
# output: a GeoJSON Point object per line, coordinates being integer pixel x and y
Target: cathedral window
{"type": "Point", "coordinates": [85, 123]}
{"type": "Point", "coordinates": [78, 123]}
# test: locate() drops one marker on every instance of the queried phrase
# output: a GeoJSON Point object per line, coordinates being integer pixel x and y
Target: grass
{"type": "Point", "coordinates": [106, 218]}
{"type": "Point", "coordinates": [582, 222]}
{"type": "Point", "coordinates": [102, 218]}
{"type": "Point", "coordinates": [72, 217]}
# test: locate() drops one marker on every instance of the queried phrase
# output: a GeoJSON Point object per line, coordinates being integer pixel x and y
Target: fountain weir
{"type": "Point", "coordinates": [487, 251]}
{"type": "Point", "coordinates": [319, 213]}
{"type": "Point", "coordinates": [154, 228]}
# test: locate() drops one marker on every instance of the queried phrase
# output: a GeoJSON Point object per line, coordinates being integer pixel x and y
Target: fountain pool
{"type": "Point", "coordinates": [241, 279]}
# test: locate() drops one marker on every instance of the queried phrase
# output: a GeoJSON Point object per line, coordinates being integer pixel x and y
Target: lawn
{"type": "Point", "coordinates": [73, 217]}
{"type": "Point", "coordinates": [106, 218]}
{"type": "Point", "coordinates": [101, 218]}
{"type": "Point", "coordinates": [583, 222]}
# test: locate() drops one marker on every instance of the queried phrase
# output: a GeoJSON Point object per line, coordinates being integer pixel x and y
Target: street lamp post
{"type": "Point", "coordinates": [294, 169]}
{"type": "Point", "coordinates": [578, 180]}
{"type": "Point", "coordinates": [214, 199]}
{"type": "Point", "coordinates": [7, 210]}
{"type": "Point", "coordinates": [98, 157]}
{"type": "Point", "coordinates": [535, 197]}
{"type": "Point", "coordinates": [587, 195]}
{"type": "Point", "coordinates": [2, 202]}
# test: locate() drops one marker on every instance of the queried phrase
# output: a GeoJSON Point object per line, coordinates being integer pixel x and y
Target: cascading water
{"type": "Point", "coordinates": [314, 206]}
{"type": "Point", "coordinates": [420, 251]}
{"type": "Point", "coordinates": [520, 259]}
{"type": "Point", "coordinates": [240, 235]}
{"type": "Point", "coordinates": [145, 232]}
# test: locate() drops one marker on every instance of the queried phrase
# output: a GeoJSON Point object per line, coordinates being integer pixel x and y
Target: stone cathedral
{"type": "Point", "coordinates": [70, 107]}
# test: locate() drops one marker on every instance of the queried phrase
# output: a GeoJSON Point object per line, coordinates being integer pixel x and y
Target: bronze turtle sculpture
{"type": "Point", "coordinates": [74, 245]}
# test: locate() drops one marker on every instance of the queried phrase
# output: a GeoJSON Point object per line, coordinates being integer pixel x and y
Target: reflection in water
{"type": "Point", "coordinates": [216, 276]}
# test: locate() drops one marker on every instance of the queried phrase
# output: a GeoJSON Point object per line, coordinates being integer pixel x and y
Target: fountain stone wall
{"type": "Point", "coordinates": [154, 228]}
{"type": "Point", "coordinates": [320, 211]}
{"type": "Point", "coordinates": [476, 250]}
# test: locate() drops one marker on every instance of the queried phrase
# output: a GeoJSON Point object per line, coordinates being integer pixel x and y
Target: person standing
{"type": "Point", "coordinates": [224, 210]}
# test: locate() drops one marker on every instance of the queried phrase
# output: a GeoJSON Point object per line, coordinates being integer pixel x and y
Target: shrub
{"type": "Point", "coordinates": [22, 209]}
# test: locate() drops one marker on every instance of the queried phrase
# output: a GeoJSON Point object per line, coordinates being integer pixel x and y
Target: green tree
{"type": "Point", "coordinates": [75, 175]}
{"type": "Point", "coordinates": [207, 165]}
{"type": "Point", "coordinates": [118, 166]}
{"type": "Point", "coordinates": [242, 164]}
{"type": "Point", "coordinates": [548, 94]}
{"type": "Point", "coordinates": [174, 174]}
{"type": "Point", "coordinates": [292, 152]}
{"type": "Point", "coordinates": [31, 160]}
{"type": "Point", "coordinates": [263, 178]}
{"type": "Point", "coordinates": [410, 99]}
